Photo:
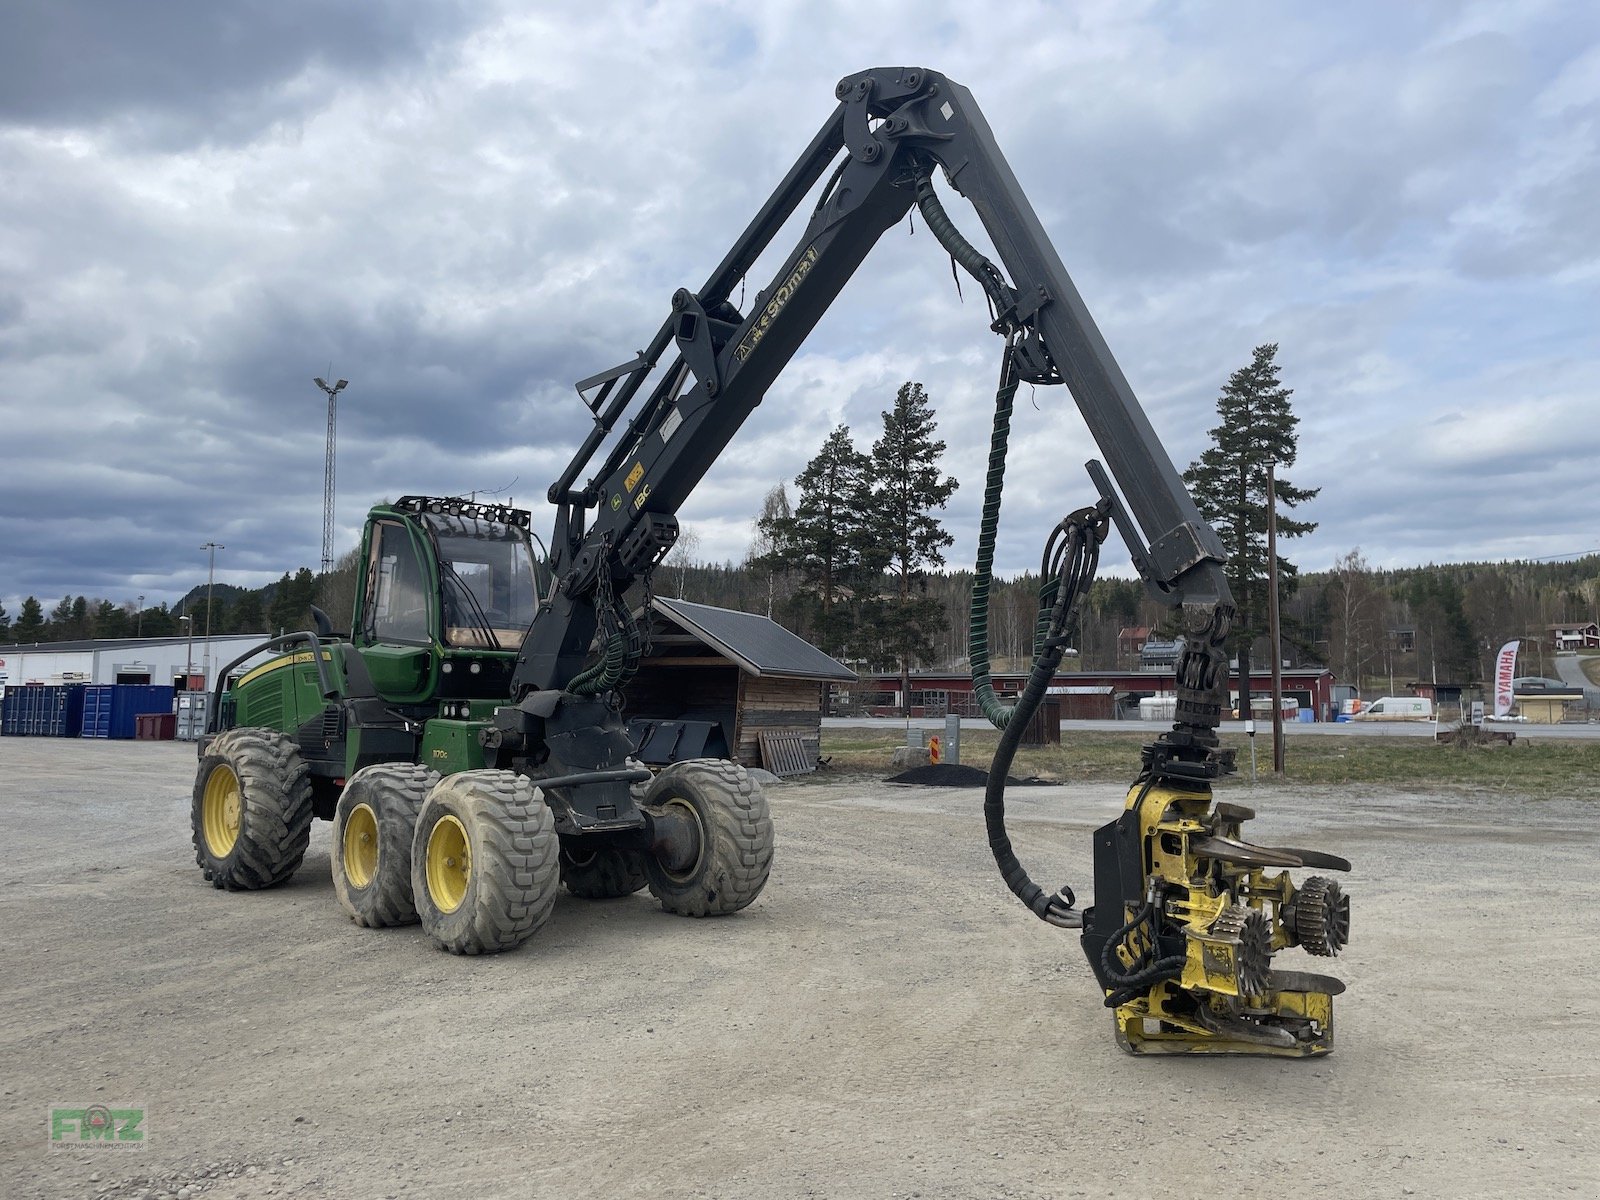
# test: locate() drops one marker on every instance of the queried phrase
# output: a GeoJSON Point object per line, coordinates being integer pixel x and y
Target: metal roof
{"type": "Point", "coordinates": [122, 643]}
{"type": "Point", "coordinates": [758, 644]}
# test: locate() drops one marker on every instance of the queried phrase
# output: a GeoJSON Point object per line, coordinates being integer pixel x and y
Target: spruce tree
{"type": "Point", "coordinates": [245, 616]}
{"type": "Point", "coordinates": [30, 625]}
{"type": "Point", "coordinates": [907, 488]}
{"type": "Point", "coordinates": [1229, 483]}
{"type": "Point", "coordinates": [827, 542]}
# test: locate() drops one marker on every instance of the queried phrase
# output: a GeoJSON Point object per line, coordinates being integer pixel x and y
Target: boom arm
{"type": "Point", "coordinates": [893, 124]}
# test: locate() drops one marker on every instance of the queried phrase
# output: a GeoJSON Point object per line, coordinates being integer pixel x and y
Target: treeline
{"type": "Point", "coordinates": [274, 608]}
{"type": "Point", "coordinates": [1443, 621]}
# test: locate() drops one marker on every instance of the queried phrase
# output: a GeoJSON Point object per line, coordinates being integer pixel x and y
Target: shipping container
{"type": "Point", "coordinates": [110, 710]}
{"type": "Point", "coordinates": [191, 715]}
{"type": "Point", "coordinates": [47, 710]}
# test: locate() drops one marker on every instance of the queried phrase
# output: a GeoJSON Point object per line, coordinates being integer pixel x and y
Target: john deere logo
{"type": "Point", "coordinates": [97, 1125]}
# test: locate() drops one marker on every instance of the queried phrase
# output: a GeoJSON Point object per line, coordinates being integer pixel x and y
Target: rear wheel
{"type": "Point", "coordinates": [603, 873]}
{"type": "Point", "coordinates": [250, 818]}
{"type": "Point", "coordinates": [372, 830]}
{"type": "Point", "coordinates": [735, 830]}
{"type": "Point", "coordinates": [484, 869]}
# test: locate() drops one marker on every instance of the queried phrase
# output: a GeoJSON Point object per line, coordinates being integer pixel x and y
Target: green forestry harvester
{"type": "Point", "coordinates": [466, 737]}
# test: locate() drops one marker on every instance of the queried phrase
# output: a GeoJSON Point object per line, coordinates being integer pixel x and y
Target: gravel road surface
{"type": "Point", "coordinates": [885, 1021]}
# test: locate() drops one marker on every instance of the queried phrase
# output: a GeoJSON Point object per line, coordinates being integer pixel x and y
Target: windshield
{"type": "Point", "coordinates": [490, 581]}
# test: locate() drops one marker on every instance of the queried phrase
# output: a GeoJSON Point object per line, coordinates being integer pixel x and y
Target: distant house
{"type": "Point", "coordinates": [1131, 640]}
{"type": "Point", "coordinates": [716, 680]}
{"type": "Point", "coordinates": [1574, 635]}
{"type": "Point", "coordinates": [1157, 655]}
{"type": "Point", "coordinates": [1403, 640]}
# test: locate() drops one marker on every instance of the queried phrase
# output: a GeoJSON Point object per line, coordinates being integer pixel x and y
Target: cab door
{"type": "Point", "coordinates": [399, 614]}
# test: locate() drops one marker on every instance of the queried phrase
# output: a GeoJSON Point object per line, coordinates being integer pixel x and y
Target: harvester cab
{"type": "Point", "coordinates": [445, 592]}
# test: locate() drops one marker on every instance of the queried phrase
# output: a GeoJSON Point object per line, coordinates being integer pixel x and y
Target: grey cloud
{"type": "Point", "coordinates": [169, 72]}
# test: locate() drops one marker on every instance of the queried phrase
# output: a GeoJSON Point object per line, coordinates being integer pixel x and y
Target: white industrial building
{"type": "Point", "coordinates": [164, 660]}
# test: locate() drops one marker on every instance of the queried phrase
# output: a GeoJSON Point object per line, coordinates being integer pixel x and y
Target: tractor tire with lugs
{"type": "Point", "coordinates": [484, 862]}
{"type": "Point", "coordinates": [372, 830]}
{"type": "Point", "coordinates": [251, 814]}
{"type": "Point", "coordinates": [735, 838]}
{"type": "Point", "coordinates": [601, 874]}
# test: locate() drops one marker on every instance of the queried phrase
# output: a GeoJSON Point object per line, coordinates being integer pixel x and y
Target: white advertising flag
{"type": "Point", "coordinates": [1505, 668]}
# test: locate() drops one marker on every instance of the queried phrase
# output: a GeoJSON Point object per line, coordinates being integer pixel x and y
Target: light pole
{"type": "Point", "coordinates": [1272, 620]}
{"type": "Point", "coordinates": [188, 654]}
{"type": "Point", "coordinates": [327, 469]}
{"type": "Point", "coordinates": [211, 577]}
{"type": "Point", "coordinates": [138, 619]}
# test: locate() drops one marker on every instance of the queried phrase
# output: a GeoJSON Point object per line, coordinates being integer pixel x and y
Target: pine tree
{"type": "Point", "coordinates": [109, 620]}
{"type": "Point", "coordinates": [59, 629]}
{"type": "Point", "coordinates": [1229, 483]}
{"type": "Point", "coordinates": [907, 489]}
{"type": "Point", "coordinates": [827, 542]}
{"type": "Point", "coordinates": [30, 623]}
{"type": "Point", "coordinates": [280, 610]}
{"type": "Point", "coordinates": [245, 616]}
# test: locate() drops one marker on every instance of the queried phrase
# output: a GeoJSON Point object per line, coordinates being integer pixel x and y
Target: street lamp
{"type": "Point", "coordinates": [211, 578]}
{"type": "Point", "coordinates": [138, 629]}
{"type": "Point", "coordinates": [188, 654]}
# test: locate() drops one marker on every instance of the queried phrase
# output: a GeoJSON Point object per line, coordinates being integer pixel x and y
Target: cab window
{"type": "Point", "coordinates": [397, 591]}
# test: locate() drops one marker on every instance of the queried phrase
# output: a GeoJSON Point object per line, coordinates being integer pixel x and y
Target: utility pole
{"type": "Point", "coordinates": [327, 469]}
{"type": "Point", "coordinates": [211, 579]}
{"type": "Point", "coordinates": [188, 654]}
{"type": "Point", "coordinates": [1272, 621]}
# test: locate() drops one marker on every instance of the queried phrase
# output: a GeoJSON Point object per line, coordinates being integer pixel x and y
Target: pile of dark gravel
{"type": "Point", "coordinates": [951, 775]}
{"type": "Point", "coordinates": [943, 775]}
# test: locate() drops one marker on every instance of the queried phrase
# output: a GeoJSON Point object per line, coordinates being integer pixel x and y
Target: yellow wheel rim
{"type": "Point", "coordinates": [449, 863]}
{"type": "Point", "coordinates": [361, 846]}
{"type": "Point", "coordinates": [219, 811]}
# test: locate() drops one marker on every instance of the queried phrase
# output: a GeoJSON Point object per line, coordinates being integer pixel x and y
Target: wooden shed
{"type": "Point", "coordinates": [742, 674]}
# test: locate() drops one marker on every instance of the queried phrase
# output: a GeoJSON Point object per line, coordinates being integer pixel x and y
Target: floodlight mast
{"type": "Point", "coordinates": [328, 469]}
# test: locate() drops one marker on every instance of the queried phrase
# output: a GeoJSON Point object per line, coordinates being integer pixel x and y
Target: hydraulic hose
{"type": "Point", "coordinates": [1070, 558]}
{"type": "Point", "coordinates": [1071, 555]}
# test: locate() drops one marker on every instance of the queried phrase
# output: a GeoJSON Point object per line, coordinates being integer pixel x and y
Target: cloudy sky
{"type": "Point", "coordinates": [465, 207]}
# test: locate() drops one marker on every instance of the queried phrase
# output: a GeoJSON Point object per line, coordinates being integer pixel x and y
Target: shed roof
{"type": "Point", "coordinates": [758, 644]}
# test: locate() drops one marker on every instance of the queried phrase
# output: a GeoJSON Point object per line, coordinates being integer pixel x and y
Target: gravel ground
{"type": "Point", "coordinates": [884, 1022]}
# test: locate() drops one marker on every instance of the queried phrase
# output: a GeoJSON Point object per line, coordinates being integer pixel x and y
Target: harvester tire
{"type": "Point", "coordinates": [735, 838]}
{"type": "Point", "coordinates": [601, 874]}
{"type": "Point", "coordinates": [251, 815]}
{"type": "Point", "coordinates": [372, 830]}
{"type": "Point", "coordinates": [484, 862]}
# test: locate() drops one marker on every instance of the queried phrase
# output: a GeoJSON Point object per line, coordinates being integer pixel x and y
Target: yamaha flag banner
{"type": "Point", "coordinates": [1505, 667]}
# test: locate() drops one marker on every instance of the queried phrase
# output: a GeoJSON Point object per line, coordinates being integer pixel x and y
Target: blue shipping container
{"type": "Point", "coordinates": [55, 710]}
{"type": "Point", "coordinates": [110, 709]}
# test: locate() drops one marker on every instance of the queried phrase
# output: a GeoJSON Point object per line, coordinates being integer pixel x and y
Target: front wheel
{"type": "Point", "coordinates": [735, 829]}
{"type": "Point", "coordinates": [484, 862]}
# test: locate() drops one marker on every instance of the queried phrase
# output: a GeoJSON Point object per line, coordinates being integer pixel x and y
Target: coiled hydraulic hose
{"type": "Point", "coordinates": [1070, 558]}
